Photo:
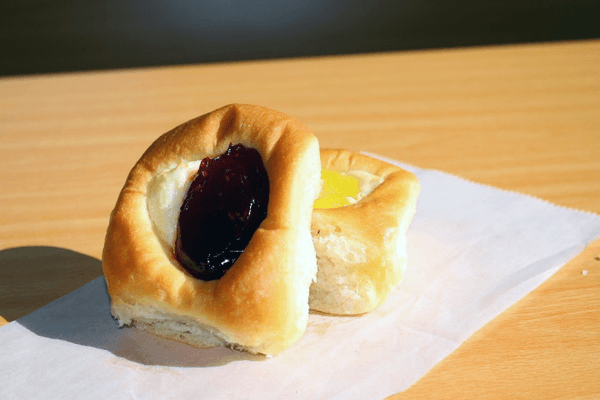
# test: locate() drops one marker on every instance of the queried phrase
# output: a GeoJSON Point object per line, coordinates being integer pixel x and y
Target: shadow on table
{"type": "Point", "coordinates": [33, 276]}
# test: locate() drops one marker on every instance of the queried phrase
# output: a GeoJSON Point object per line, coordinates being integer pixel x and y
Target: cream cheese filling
{"type": "Point", "coordinates": [367, 182]}
{"type": "Point", "coordinates": [166, 192]}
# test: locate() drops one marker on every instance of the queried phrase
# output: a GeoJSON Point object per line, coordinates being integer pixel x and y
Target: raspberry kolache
{"type": "Point", "coordinates": [209, 242]}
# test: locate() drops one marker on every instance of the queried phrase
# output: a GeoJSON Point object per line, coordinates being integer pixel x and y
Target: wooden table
{"type": "Point", "coordinates": [523, 118]}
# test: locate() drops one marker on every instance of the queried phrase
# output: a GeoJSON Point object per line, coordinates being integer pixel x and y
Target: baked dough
{"type": "Point", "coordinates": [361, 247]}
{"type": "Point", "coordinates": [261, 304]}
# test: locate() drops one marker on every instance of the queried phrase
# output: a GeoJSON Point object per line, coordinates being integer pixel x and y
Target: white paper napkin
{"type": "Point", "coordinates": [473, 251]}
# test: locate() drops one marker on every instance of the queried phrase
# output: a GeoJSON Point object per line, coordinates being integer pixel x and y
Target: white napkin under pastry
{"type": "Point", "coordinates": [473, 252]}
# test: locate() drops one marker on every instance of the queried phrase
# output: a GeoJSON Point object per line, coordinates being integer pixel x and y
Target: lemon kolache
{"type": "Point", "coordinates": [359, 227]}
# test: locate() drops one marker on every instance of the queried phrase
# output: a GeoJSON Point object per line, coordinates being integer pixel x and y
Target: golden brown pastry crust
{"type": "Point", "coordinates": [261, 303]}
{"type": "Point", "coordinates": [361, 247]}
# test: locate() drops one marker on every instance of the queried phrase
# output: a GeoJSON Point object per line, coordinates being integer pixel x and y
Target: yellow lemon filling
{"type": "Point", "coordinates": [337, 188]}
{"type": "Point", "coordinates": [345, 188]}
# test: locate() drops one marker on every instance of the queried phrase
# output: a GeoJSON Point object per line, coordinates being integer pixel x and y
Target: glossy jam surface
{"type": "Point", "coordinates": [337, 190]}
{"type": "Point", "coordinates": [225, 204]}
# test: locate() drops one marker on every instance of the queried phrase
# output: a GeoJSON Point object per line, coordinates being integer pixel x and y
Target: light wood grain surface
{"type": "Point", "coordinates": [523, 118]}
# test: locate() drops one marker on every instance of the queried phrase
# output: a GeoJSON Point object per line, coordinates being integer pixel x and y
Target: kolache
{"type": "Point", "coordinates": [227, 231]}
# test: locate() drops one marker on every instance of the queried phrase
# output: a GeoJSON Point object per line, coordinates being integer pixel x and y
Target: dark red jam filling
{"type": "Point", "coordinates": [224, 206]}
